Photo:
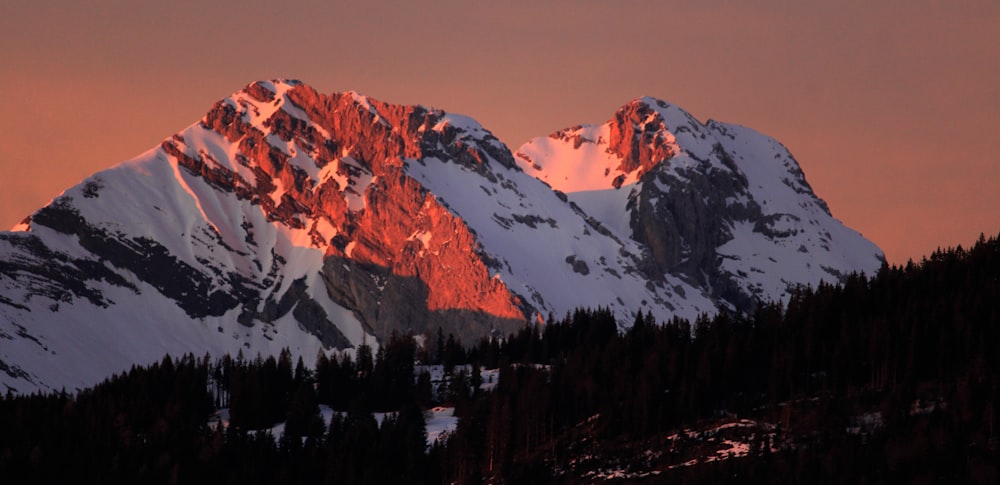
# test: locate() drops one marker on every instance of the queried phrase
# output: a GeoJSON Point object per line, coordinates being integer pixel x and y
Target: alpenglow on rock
{"type": "Point", "coordinates": [290, 218]}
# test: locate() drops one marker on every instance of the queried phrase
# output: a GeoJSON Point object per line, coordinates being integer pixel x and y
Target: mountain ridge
{"type": "Point", "coordinates": [290, 218]}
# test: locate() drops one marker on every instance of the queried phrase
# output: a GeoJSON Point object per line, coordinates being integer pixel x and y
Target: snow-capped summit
{"type": "Point", "coordinates": [720, 206]}
{"type": "Point", "coordinates": [290, 218]}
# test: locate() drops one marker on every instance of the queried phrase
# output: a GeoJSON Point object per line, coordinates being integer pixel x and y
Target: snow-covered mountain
{"type": "Point", "coordinates": [720, 206]}
{"type": "Point", "coordinates": [290, 218]}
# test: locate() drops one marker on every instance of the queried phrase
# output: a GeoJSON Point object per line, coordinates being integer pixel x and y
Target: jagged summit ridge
{"type": "Point", "coordinates": [290, 218]}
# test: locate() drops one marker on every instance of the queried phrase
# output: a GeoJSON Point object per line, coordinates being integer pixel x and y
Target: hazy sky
{"type": "Point", "coordinates": [891, 108]}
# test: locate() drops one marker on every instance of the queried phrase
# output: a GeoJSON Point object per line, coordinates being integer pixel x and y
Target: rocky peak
{"type": "Point", "coordinates": [640, 138]}
{"type": "Point", "coordinates": [703, 200]}
{"type": "Point", "coordinates": [375, 208]}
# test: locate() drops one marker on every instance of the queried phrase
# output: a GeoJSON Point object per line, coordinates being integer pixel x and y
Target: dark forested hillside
{"type": "Point", "coordinates": [892, 379]}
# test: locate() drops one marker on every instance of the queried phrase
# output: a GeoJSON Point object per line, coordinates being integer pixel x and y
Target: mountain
{"type": "Point", "coordinates": [720, 206]}
{"type": "Point", "coordinates": [290, 218]}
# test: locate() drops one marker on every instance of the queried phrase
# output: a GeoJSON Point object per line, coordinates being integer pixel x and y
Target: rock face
{"type": "Point", "coordinates": [291, 218]}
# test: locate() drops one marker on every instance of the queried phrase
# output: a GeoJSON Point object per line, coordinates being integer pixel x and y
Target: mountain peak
{"type": "Point", "coordinates": [291, 218]}
{"type": "Point", "coordinates": [718, 204]}
{"type": "Point", "coordinates": [640, 135]}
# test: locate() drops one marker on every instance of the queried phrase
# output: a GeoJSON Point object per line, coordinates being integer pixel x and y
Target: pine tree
{"type": "Point", "coordinates": [303, 418]}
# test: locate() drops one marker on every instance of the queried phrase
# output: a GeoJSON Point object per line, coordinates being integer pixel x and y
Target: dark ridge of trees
{"type": "Point", "coordinates": [911, 349]}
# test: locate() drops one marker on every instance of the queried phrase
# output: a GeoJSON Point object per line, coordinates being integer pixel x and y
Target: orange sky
{"type": "Point", "coordinates": [892, 108]}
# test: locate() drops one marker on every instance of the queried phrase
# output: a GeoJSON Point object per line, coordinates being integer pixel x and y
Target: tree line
{"type": "Point", "coordinates": [909, 351]}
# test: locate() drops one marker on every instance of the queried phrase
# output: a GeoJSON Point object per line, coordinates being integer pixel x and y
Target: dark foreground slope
{"type": "Point", "coordinates": [892, 380]}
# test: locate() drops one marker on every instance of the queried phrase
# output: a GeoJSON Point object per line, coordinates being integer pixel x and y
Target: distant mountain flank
{"type": "Point", "coordinates": [291, 218]}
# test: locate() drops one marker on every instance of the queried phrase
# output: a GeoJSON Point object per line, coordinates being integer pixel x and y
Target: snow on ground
{"type": "Point", "coordinates": [727, 440]}
{"type": "Point", "coordinates": [577, 162]}
{"type": "Point", "coordinates": [491, 377]}
{"type": "Point", "coordinates": [619, 474]}
{"type": "Point", "coordinates": [439, 379]}
{"type": "Point", "coordinates": [440, 422]}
